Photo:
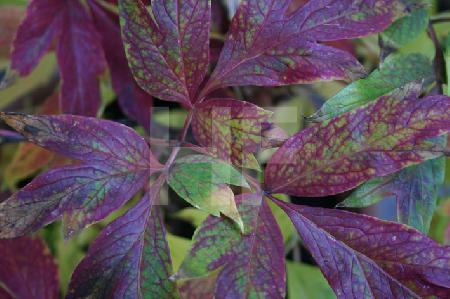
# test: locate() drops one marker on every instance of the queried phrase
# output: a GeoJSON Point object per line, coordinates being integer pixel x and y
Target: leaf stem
{"type": "Point", "coordinates": [439, 60]}
{"type": "Point", "coordinates": [176, 150]}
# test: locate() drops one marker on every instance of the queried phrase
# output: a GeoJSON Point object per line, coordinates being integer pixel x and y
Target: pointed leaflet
{"type": "Point", "coordinates": [79, 52]}
{"type": "Point", "coordinates": [129, 259]}
{"type": "Point", "coordinates": [362, 256]}
{"type": "Point", "coordinates": [115, 164]}
{"type": "Point", "coordinates": [232, 129]}
{"type": "Point", "coordinates": [405, 29]}
{"type": "Point", "coordinates": [27, 270]}
{"type": "Point", "coordinates": [396, 71]}
{"type": "Point", "coordinates": [376, 140]}
{"type": "Point", "coordinates": [265, 46]}
{"type": "Point", "coordinates": [201, 181]}
{"type": "Point", "coordinates": [251, 264]}
{"type": "Point", "coordinates": [42, 24]}
{"type": "Point", "coordinates": [134, 101]}
{"type": "Point", "coordinates": [414, 188]}
{"type": "Point", "coordinates": [167, 50]}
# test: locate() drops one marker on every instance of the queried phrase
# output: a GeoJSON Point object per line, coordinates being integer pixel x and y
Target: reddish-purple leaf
{"type": "Point", "coordinates": [27, 270]}
{"type": "Point", "coordinates": [134, 101]}
{"type": "Point", "coordinates": [376, 140]}
{"type": "Point", "coordinates": [115, 164]}
{"type": "Point", "coordinates": [81, 61]}
{"type": "Point", "coordinates": [168, 50]}
{"type": "Point", "coordinates": [232, 129]}
{"type": "Point", "coordinates": [251, 265]}
{"type": "Point", "coordinates": [79, 51]}
{"type": "Point", "coordinates": [266, 46]}
{"type": "Point", "coordinates": [42, 24]}
{"type": "Point", "coordinates": [362, 256]}
{"type": "Point", "coordinates": [129, 259]}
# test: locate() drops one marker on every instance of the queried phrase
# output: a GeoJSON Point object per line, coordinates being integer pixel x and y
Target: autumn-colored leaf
{"type": "Point", "coordinates": [134, 101]}
{"type": "Point", "coordinates": [167, 49]}
{"type": "Point", "coordinates": [115, 164]}
{"type": "Point", "coordinates": [362, 256]}
{"type": "Point", "coordinates": [79, 51]}
{"type": "Point", "coordinates": [129, 259]}
{"type": "Point", "coordinates": [30, 158]}
{"type": "Point", "coordinates": [376, 140]}
{"type": "Point", "coordinates": [396, 71]}
{"type": "Point", "coordinates": [232, 129]}
{"type": "Point", "coordinates": [27, 270]}
{"type": "Point", "coordinates": [251, 264]}
{"type": "Point", "coordinates": [202, 181]}
{"type": "Point", "coordinates": [267, 46]}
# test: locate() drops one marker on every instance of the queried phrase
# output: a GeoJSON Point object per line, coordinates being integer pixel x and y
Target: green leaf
{"type": "Point", "coordinates": [305, 281]}
{"type": "Point", "coordinates": [202, 181]}
{"type": "Point", "coordinates": [396, 71]}
{"type": "Point", "coordinates": [406, 29]}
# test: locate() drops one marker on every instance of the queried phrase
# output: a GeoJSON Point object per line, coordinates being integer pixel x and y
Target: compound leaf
{"type": "Point", "coordinates": [395, 71]}
{"type": "Point", "coordinates": [28, 270]}
{"type": "Point", "coordinates": [362, 256]}
{"type": "Point", "coordinates": [115, 163]}
{"type": "Point", "coordinates": [376, 140]}
{"type": "Point", "coordinates": [201, 181]}
{"type": "Point", "coordinates": [129, 259]}
{"type": "Point", "coordinates": [167, 49]}
{"type": "Point", "coordinates": [267, 46]}
{"type": "Point", "coordinates": [251, 264]}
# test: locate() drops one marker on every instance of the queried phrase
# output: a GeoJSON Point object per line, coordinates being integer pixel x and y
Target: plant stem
{"type": "Point", "coordinates": [439, 61]}
{"type": "Point", "coordinates": [176, 150]}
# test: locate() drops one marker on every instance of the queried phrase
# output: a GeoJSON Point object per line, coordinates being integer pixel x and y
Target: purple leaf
{"type": "Point", "coordinates": [27, 270]}
{"type": "Point", "coordinates": [42, 24]}
{"type": "Point", "coordinates": [168, 50]}
{"type": "Point", "coordinates": [134, 101]}
{"type": "Point", "coordinates": [266, 46]}
{"type": "Point", "coordinates": [129, 259]}
{"type": "Point", "coordinates": [115, 164]}
{"type": "Point", "coordinates": [376, 140]}
{"type": "Point", "coordinates": [81, 61]}
{"type": "Point", "coordinates": [250, 265]}
{"type": "Point", "coordinates": [362, 256]}
{"type": "Point", "coordinates": [79, 52]}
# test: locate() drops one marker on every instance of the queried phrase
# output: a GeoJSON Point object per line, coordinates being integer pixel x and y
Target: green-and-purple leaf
{"type": "Point", "coordinates": [376, 140]}
{"type": "Point", "coordinates": [232, 129]}
{"type": "Point", "coordinates": [364, 257]}
{"type": "Point", "coordinates": [167, 50]}
{"type": "Point", "coordinates": [266, 46]}
{"type": "Point", "coordinates": [129, 259]}
{"type": "Point", "coordinates": [414, 188]}
{"type": "Point", "coordinates": [251, 264]}
{"type": "Point", "coordinates": [115, 164]}
{"type": "Point", "coordinates": [27, 270]}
